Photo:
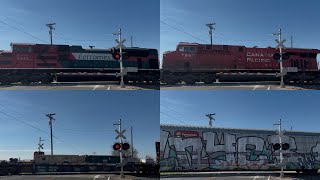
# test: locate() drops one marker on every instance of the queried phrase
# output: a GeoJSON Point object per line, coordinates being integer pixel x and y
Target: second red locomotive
{"type": "Point", "coordinates": [193, 62]}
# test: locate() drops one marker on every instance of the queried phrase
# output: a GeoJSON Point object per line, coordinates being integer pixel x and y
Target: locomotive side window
{"type": "Point", "coordinates": [240, 49]}
{"type": "Point", "coordinates": [5, 54]}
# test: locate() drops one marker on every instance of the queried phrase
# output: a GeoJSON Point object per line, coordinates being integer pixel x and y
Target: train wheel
{"type": "Point", "coordinates": [5, 82]}
{"type": "Point", "coordinates": [4, 172]}
{"type": "Point", "coordinates": [190, 81]}
{"type": "Point", "coordinates": [25, 81]}
{"type": "Point", "coordinates": [208, 81]}
{"type": "Point", "coordinates": [45, 80]}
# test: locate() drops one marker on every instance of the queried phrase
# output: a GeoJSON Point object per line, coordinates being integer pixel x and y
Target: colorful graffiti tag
{"type": "Point", "coordinates": [218, 149]}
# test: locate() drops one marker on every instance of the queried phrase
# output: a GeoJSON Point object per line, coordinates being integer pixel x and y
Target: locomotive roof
{"type": "Point", "coordinates": [255, 47]}
{"type": "Point", "coordinates": [184, 127]}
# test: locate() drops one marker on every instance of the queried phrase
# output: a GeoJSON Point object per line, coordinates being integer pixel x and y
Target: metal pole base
{"type": "Point", "coordinates": [122, 84]}
{"type": "Point", "coordinates": [122, 175]}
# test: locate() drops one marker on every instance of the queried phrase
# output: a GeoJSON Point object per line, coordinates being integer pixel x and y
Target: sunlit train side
{"type": "Point", "coordinates": [193, 62]}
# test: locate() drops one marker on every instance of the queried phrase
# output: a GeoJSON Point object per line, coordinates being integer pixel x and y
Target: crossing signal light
{"type": "Point", "coordinates": [277, 146]}
{"type": "Point", "coordinates": [117, 56]}
{"type": "Point", "coordinates": [285, 56]}
{"type": "Point", "coordinates": [285, 146]}
{"type": "Point", "coordinates": [125, 146]}
{"type": "Point", "coordinates": [277, 56]}
{"type": "Point", "coordinates": [116, 146]}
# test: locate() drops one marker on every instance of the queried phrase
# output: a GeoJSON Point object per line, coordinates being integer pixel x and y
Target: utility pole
{"type": "Point", "coordinates": [210, 118]}
{"type": "Point", "coordinates": [131, 143]}
{"type": "Point", "coordinates": [120, 42]}
{"type": "Point", "coordinates": [210, 26]}
{"type": "Point", "coordinates": [120, 130]}
{"type": "Point", "coordinates": [50, 26]}
{"type": "Point", "coordinates": [50, 116]}
{"type": "Point", "coordinates": [131, 41]}
{"type": "Point", "coordinates": [280, 134]}
{"type": "Point", "coordinates": [280, 46]}
{"type": "Point", "coordinates": [291, 41]}
{"type": "Point", "coordinates": [40, 145]}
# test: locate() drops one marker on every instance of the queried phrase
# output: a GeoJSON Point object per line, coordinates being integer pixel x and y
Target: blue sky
{"type": "Point", "coordinates": [241, 22]}
{"type": "Point", "coordinates": [81, 22]}
{"type": "Point", "coordinates": [242, 109]}
{"type": "Point", "coordinates": [83, 121]}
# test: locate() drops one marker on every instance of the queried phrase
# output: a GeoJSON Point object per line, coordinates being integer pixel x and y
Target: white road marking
{"type": "Point", "coordinates": [256, 177]}
{"type": "Point", "coordinates": [109, 87]}
{"type": "Point", "coordinates": [109, 178]}
{"type": "Point", "coordinates": [269, 177]}
{"type": "Point", "coordinates": [95, 87]}
{"type": "Point", "coordinates": [269, 87]}
{"type": "Point", "coordinates": [96, 177]}
{"type": "Point", "coordinates": [256, 87]}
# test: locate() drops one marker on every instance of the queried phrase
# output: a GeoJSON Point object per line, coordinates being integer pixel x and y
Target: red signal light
{"type": "Point", "coordinates": [117, 56]}
{"type": "Point", "coordinates": [116, 146]}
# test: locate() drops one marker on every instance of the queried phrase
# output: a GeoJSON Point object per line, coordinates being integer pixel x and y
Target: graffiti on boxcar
{"type": "Point", "coordinates": [209, 150]}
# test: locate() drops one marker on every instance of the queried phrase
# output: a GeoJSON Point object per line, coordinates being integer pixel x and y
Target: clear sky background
{"type": "Point", "coordinates": [83, 121]}
{"type": "Point", "coordinates": [81, 22]}
{"type": "Point", "coordinates": [242, 109]}
{"type": "Point", "coordinates": [241, 22]}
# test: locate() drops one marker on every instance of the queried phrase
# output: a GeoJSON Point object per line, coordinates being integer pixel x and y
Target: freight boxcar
{"type": "Point", "coordinates": [27, 63]}
{"type": "Point", "coordinates": [193, 62]}
{"type": "Point", "coordinates": [186, 148]}
{"type": "Point", "coordinates": [102, 159]}
{"type": "Point", "coordinates": [74, 163]}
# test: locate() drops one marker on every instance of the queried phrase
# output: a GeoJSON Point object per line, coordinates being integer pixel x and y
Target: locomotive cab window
{"type": "Point", "coordinates": [190, 49]}
{"type": "Point", "coordinates": [22, 49]}
{"type": "Point", "coordinates": [5, 54]}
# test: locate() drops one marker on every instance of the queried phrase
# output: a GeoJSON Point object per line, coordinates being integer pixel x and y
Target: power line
{"type": "Point", "coordinates": [172, 109]}
{"type": "Point", "coordinates": [174, 118]}
{"type": "Point", "coordinates": [23, 31]}
{"type": "Point", "coordinates": [39, 130]}
{"type": "Point", "coordinates": [183, 31]}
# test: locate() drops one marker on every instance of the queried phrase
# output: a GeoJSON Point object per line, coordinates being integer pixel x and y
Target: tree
{"type": "Point", "coordinates": [126, 153]}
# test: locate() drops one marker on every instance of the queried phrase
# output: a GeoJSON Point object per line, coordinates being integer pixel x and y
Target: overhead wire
{"type": "Point", "coordinates": [174, 118]}
{"type": "Point", "coordinates": [23, 32]}
{"type": "Point", "coordinates": [36, 128]}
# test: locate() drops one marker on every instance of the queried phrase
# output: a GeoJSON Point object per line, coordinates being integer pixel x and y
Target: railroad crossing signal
{"type": "Point", "coordinates": [277, 56]}
{"type": "Point", "coordinates": [125, 146]}
{"type": "Point", "coordinates": [277, 146]}
{"type": "Point", "coordinates": [116, 146]}
{"type": "Point", "coordinates": [120, 43]}
{"type": "Point", "coordinates": [120, 134]}
{"type": "Point", "coordinates": [280, 43]}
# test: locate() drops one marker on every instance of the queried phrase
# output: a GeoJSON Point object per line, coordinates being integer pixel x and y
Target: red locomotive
{"type": "Point", "coordinates": [28, 63]}
{"type": "Point", "coordinates": [193, 62]}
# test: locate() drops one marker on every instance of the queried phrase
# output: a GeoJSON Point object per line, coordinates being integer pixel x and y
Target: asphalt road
{"type": "Point", "coordinates": [238, 86]}
{"type": "Point", "coordinates": [252, 175]}
{"type": "Point", "coordinates": [74, 177]}
{"type": "Point", "coordinates": [95, 86]}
